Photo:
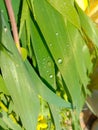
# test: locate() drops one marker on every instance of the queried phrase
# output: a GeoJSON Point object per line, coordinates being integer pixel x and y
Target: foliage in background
{"type": "Point", "coordinates": [47, 88]}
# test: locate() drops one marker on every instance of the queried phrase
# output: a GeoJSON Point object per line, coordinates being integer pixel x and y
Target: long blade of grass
{"type": "Point", "coordinates": [44, 60]}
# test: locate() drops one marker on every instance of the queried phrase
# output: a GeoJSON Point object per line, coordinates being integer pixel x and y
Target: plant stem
{"type": "Point", "coordinates": [13, 23]}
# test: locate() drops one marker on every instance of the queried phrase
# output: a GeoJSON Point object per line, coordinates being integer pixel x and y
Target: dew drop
{"type": "Point", "coordinates": [67, 45]}
{"type": "Point", "coordinates": [2, 11]}
{"type": "Point", "coordinates": [5, 28]}
{"type": "Point", "coordinates": [44, 59]}
{"type": "Point", "coordinates": [60, 61]}
{"type": "Point", "coordinates": [17, 65]}
{"type": "Point", "coordinates": [47, 71]}
{"type": "Point", "coordinates": [57, 33]}
{"type": "Point", "coordinates": [84, 48]}
{"type": "Point", "coordinates": [51, 76]}
{"type": "Point", "coordinates": [44, 67]}
{"type": "Point", "coordinates": [50, 44]}
{"type": "Point", "coordinates": [49, 63]}
{"type": "Point", "coordinates": [64, 3]}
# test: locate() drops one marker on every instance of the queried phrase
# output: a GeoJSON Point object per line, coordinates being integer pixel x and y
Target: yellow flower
{"type": "Point", "coordinates": [42, 124]}
{"type": "Point", "coordinates": [83, 4]}
{"type": "Point", "coordinates": [40, 118]}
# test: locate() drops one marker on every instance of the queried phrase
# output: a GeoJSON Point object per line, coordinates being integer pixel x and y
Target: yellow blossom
{"type": "Point", "coordinates": [83, 4]}
{"type": "Point", "coordinates": [42, 124]}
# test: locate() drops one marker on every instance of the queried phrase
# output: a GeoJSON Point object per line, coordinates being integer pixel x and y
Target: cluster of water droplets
{"type": "Point", "coordinates": [49, 65]}
{"type": "Point", "coordinates": [60, 61]}
{"type": "Point", "coordinates": [46, 64]}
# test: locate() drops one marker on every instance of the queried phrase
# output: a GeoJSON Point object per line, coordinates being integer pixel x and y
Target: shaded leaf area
{"type": "Point", "coordinates": [23, 84]}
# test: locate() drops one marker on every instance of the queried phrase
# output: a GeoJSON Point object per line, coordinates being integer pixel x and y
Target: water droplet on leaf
{"type": "Point", "coordinates": [44, 59]}
{"type": "Point", "coordinates": [47, 71]}
{"type": "Point", "coordinates": [84, 48]}
{"type": "Point", "coordinates": [5, 28]}
{"type": "Point", "coordinates": [50, 45]}
{"type": "Point", "coordinates": [2, 11]}
{"type": "Point", "coordinates": [51, 76]}
{"type": "Point", "coordinates": [57, 33]}
{"type": "Point", "coordinates": [49, 63]}
{"type": "Point", "coordinates": [64, 3]}
{"type": "Point", "coordinates": [60, 61]}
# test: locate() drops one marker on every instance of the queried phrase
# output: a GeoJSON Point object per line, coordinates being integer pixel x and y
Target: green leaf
{"type": "Point", "coordinates": [43, 57]}
{"type": "Point", "coordinates": [5, 119]}
{"type": "Point", "coordinates": [56, 116]}
{"type": "Point", "coordinates": [19, 72]}
{"type": "Point", "coordinates": [25, 28]}
{"type": "Point", "coordinates": [43, 91]}
{"type": "Point", "coordinates": [2, 86]}
{"type": "Point", "coordinates": [44, 60]}
{"type": "Point", "coordinates": [88, 26]}
{"type": "Point", "coordinates": [64, 47]}
{"type": "Point", "coordinates": [15, 9]}
{"type": "Point", "coordinates": [67, 9]}
{"type": "Point", "coordinates": [23, 53]}
{"type": "Point", "coordinates": [24, 17]}
{"type": "Point", "coordinates": [3, 9]}
{"type": "Point", "coordinates": [2, 124]}
{"type": "Point", "coordinates": [80, 49]}
{"type": "Point", "coordinates": [16, 76]}
{"type": "Point", "coordinates": [25, 86]}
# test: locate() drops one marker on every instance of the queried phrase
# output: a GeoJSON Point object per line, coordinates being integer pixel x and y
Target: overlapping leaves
{"type": "Point", "coordinates": [51, 31]}
{"type": "Point", "coordinates": [23, 84]}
